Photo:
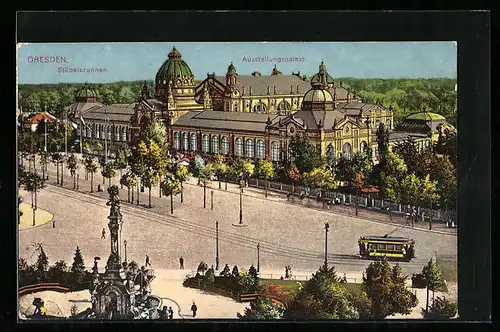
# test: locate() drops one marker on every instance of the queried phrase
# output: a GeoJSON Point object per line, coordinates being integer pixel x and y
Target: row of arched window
{"type": "Point", "coordinates": [249, 148]}
{"type": "Point", "coordinates": [98, 131]}
{"type": "Point", "coordinates": [387, 124]}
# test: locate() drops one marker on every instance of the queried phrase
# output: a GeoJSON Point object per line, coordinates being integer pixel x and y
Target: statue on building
{"type": "Point", "coordinates": [145, 92]}
{"type": "Point", "coordinates": [330, 154]}
{"type": "Point", "coordinates": [207, 99]}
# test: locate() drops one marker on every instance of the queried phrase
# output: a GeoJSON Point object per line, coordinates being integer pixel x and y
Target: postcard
{"type": "Point", "coordinates": [237, 180]}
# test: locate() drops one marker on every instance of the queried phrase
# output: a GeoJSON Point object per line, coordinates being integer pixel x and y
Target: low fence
{"type": "Point", "coordinates": [350, 200]}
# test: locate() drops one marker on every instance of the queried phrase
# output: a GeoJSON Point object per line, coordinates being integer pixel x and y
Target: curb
{"type": "Point", "coordinates": [337, 213]}
{"type": "Point", "coordinates": [286, 202]}
{"type": "Point", "coordinates": [37, 226]}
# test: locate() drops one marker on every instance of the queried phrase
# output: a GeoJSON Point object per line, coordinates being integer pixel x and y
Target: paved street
{"type": "Point", "coordinates": [288, 234]}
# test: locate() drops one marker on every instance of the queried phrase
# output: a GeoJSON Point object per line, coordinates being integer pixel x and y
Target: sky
{"type": "Point", "coordinates": [114, 62]}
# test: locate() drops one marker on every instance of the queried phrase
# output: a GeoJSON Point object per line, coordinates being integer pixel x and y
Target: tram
{"type": "Point", "coordinates": [392, 247]}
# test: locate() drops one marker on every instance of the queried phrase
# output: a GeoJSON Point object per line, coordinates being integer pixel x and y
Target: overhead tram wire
{"type": "Point", "coordinates": [241, 241]}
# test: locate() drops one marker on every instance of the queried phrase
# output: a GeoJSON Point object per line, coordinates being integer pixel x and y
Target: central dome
{"type": "Point", "coordinates": [174, 68]}
{"type": "Point", "coordinates": [318, 95]}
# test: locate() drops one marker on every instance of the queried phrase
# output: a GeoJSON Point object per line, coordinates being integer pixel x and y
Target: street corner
{"type": "Point", "coordinates": [41, 216]}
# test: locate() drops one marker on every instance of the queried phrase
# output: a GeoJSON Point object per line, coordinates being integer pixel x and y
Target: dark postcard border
{"type": "Point", "coordinates": [470, 29]}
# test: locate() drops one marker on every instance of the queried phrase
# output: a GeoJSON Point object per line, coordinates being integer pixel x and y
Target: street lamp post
{"type": "Point", "coordinates": [258, 257]}
{"type": "Point", "coordinates": [241, 206]}
{"type": "Point", "coordinates": [125, 246]}
{"type": "Point", "coordinates": [211, 199]}
{"type": "Point", "coordinates": [327, 226]}
{"type": "Point", "coordinates": [106, 140]}
{"type": "Point", "coordinates": [216, 246]}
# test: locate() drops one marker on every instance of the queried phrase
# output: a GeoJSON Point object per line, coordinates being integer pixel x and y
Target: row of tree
{"type": "Point", "coordinates": [383, 293]}
{"type": "Point", "coordinates": [408, 95]}
{"type": "Point", "coordinates": [75, 276]}
{"type": "Point", "coordinates": [54, 97]}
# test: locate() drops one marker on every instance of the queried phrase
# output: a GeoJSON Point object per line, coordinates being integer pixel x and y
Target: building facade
{"type": "Point", "coordinates": [252, 116]}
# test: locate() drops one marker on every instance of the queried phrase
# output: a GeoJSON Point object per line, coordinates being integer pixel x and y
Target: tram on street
{"type": "Point", "coordinates": [392, 247]}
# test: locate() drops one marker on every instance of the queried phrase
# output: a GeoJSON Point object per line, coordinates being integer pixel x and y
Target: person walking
{"type": "Point", "coordinates": [194, 309]}
{"type": "Point", "coordinates": [287, 275]}
{"type": "Point", "coordinates": [181, 263]}
{"type": "Point", "coordinates": [54, 223]}
{"type": "Point", "coordinates": [290, 271]}
{"type": "Point", "coordinates": [147, 261]}
{"type": "Point", "coordinates": [344, 278]}
{"type": "Point", "coordinates": [164, 313]}
{"type": "Point", "coordinates": [103, 236]}
{"type": "Point", "coordinates": [170, 313]}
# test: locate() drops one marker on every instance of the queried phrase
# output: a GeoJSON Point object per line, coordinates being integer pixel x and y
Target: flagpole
{"type": "Point", "coordinates": [81, 136]}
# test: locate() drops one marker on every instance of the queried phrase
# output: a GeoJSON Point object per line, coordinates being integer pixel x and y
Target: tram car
{"type": "Point", "coordinates": [392, 247]}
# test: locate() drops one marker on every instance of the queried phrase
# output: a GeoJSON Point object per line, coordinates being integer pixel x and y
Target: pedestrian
{"type": "Point", "coordinates": [147, 261]}
{"type": "Point", "coordinates": [287, 275]}
{"type": "Point", "coordinates": [54, 223]}
{"type": "Point", "coordinates": [164, 313]}
{"type": "Point", "coordinates": [103, 236]}
{"type": "Point", "coordinates": [290, 271]}
{"type": "Point", "coordinates": [344, 278]}
{"type": "Point", "coordinates": [194, 308]}
{"type": "Point", "coordinates": [170, 313]}
{"type": "Point", "coordinates": [181, 262]}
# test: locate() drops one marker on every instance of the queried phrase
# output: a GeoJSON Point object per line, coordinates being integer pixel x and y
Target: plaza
{"type": "Point", "coordinates": [288, 234]}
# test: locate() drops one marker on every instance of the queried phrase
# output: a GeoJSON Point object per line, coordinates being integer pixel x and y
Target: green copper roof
{"type": "Point", "coordinates": [174, 67]}
{"type": "Point", "coordinates": [426, 116]}
{"type": "Point", "coordinates": [86, 92]}
{"type": "Point", "coordinates": [329, 79]}
{"type": "Point", "coordinates": [231, 69]}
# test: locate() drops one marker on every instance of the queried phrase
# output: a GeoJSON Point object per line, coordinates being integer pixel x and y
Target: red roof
{"type": "Point", "coordinates": [35, 119]}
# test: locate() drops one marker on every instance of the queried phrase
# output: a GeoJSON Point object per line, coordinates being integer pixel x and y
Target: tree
{"type": "Point", "coordinates": [206, 174]}
{"type": "Point", "coordinates": [266, 170]}
{"type": "Point", "coordinates": [220, 168]}
{"type": "Point", "coordinates": [429, 195]}
{"type": "Point", "coordinates": [245, 169]}
{"type": "Point", "coordinates": [382, 144]}
{"type": "Point", "coordinates": [41, 265]}
{"type": "Point", "coordinates": [202, 267]}
{"type": "Point", "coordinates": [408, 151]}
{"type": "Point", "coordinates": [262, 309]}
{"type": "Point", "coordinates": [170, 186]}
{"type": "Point", "coordinates": [128, 181]}
{"type": "Point", "coordinates": [320, 177]}
{"type": "Point", "coordinates": [58, 272]}
{"type": "Point", "coordinates": [196, 164]}
{"type": "Point", "coordinates": [150, 178]}
{"type": "Point", "coordinates": [433, 279]}
{"type": "Point", "coordinates": [440, 309]}
{"type": "Point", "coordinates": [78, 267]}
{"type": "Point", "coordinates": [91, 166]}
{"type": "Point", "coordinates": [57, 158]}
{"type": "Point", "coordinates": [386, 289]}
{"type": "Point", "coordinates": [322, 297]}
{"type": "Point", "coordinates": [121, 162]}
{"type": "Point", "coordinates": [304, 154]}
{"type": "Point", "coordinates": [72, 165]}
{"type": "Point", "coordinates": [181, 173]}
{"type": "Point", "coordinates": [358, 183]}
{"type": "Point", "coordinates": [293, 174]}
{"type": "Point", "coordinates": [442, 170]}
{"type": "Point", "coordinates": [225, 271]}
{"type": "Point", "coordinates": [108, 172]}
{"type": "Point", "coordinates": [392, 177]}
{"type": "Point", "coordinates": [33, 183]}
{"type": "Point", "coordinates": [411, 189]}
{"type": "Point", "coordinates": [252, 271]}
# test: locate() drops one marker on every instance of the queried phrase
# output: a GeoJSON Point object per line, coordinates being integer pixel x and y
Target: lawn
{"type": "Point", "coordinates": [293, 286]}
{"type": "Point", "coordinates": [448, 268]}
